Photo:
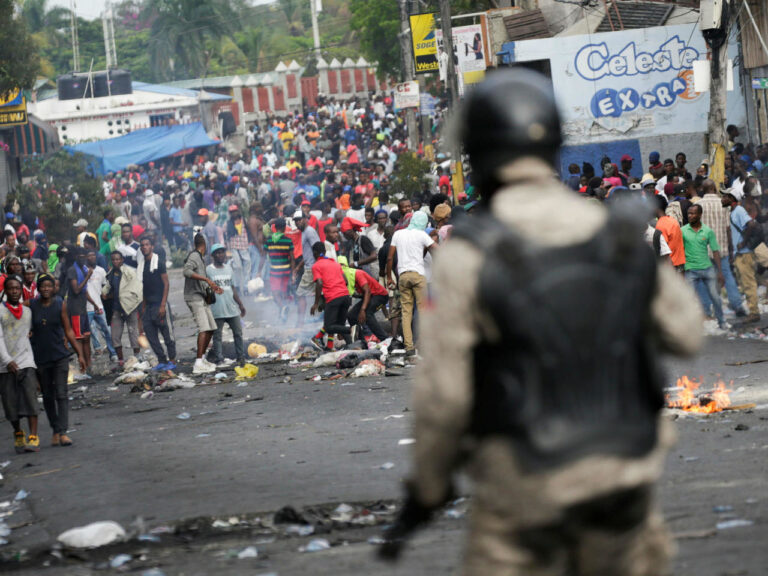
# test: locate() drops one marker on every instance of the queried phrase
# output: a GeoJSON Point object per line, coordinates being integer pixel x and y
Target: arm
{"type": "Point", "coordinates": [77, 288]}
{"type": "Point", "coordinates": [5, 356]}
{"type": "Point", "coordinates": [164, 301]}
{"type": "Point", "coordinates": [318, 295]}
{"type": "Point", "coordinates": [366, 301]}
{"type": "Point", "coordinates": [189, 272]}
{"type": "Point", "coordinates": [236, 296]}
{"type": "Point", "coordinates": [70, 335]}
{"type": "Point", "coordinates": [388, 274]}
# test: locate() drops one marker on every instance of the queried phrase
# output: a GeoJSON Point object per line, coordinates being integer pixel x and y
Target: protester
{"type": "Point", "coordinates": [77, 305]}
{"type": "Point", "coordinates": [50, 328]}
{"type": "Point", "coordinates": [239, 240]}
{"type": "Point", "coordinates": [227, 309]}
{"type": "Point", "coordinates": [282, 264]}
{"type": "Point", "coordinates": [96, 316]}
{"type": "Point", "coordinates": [372, 297]}
{"type": "Point", "coordinates": [331, 285]}
{"type": "Point", "coordinates": [124, 288]}
{"type": "Point", "coordinates": [18, 378]}
{"type": "Point", "coordinates": [199, 293]}
{"type": "Point", "coordinates": [743, 227]}
{"type": "Point", "coordinates": [155, 314]}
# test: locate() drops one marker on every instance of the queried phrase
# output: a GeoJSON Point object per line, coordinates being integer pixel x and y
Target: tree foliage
{"type": "Point", "coordinates": [408, 175]}
{"type": "Point", "coordinates": [377, 23]}
{"type": "Point", "coordinates": [48, 186]}
{"type": "Point", "coordinates": [19, 62]}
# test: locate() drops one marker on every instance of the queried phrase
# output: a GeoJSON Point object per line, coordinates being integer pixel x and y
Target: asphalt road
{"type": "Point", "coordinates": [247, 450]}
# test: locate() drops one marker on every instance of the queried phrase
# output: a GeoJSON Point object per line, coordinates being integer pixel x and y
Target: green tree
{"type": "Point", "coordinates": [49, 182]}
{"type": "Point", "coordinates": [19, 62]}
{"type": "Point", "coordinates": [408, 175]}
{"type": "Point", "coordinates": [377, 23]}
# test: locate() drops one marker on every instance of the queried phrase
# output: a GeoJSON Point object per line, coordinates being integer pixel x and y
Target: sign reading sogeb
{"type": "Point", "coordinates": [424, 43]}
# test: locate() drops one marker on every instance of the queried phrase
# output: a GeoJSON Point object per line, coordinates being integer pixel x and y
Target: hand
{"type": "Point", "coordinates": [720, 279]}
{"type": "Point", "coordinates": [242, 311]}
{"type": "Point", "coordinates": [361, 318]}
{"type": "Point", "coordinates": [313, 310]}
{"type": "Point", "coordinates": [81, 362]}
{"type": "Point", "coordinates": [391, 285]}
{"type": "Point", "coordinates": [100, 311]}
{"type": "Point", "coordinates": [13, 367]}
{"type": "Point", "coordinates": [161, 312]}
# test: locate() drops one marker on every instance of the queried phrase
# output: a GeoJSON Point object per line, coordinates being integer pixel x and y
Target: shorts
{"type": "Point", "coordinates": [19, 394]}
{"type": "Point", "coordinates": [306, 286]}
{"type": "Point", "coordinates": [202, 315]}
{"type": "Point", "coordinates": [395, 309]}
{"type": "Point", "coordinates": [279, 283]}
{"type": "Point", "coordinates": [80, 325]}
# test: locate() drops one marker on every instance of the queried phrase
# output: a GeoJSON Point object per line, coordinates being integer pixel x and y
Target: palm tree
{"type": "Point", "coordinates": [181, 30]}
{"type": "Point", "coordinates": [39, 18]}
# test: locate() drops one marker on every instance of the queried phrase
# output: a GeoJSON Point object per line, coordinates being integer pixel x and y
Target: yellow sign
{"type": "Point", "coordinates": [13, 115]}
{"type": "Point", "coordinates": [12, 98]}
{"type": "Point", "coordinates": [424, 43]}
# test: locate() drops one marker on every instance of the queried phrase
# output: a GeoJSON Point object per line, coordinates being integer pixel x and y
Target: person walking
{"type": "Point", "coordinates": [76, 280]}
{"type": "Point", "coordinates": [410, 245]}
{"type": "Point", "coordinates": [199, 293]}
{"type": "Point", "coordinates": [124, 288]}
{"type": "Point", "coordinates": [18, 377]}
{"type": "Point", "coordinates": [540, 361]}
{"type": "Point", "coordinates": [743, 229]}
{"type": "Point", "coordinates": [238, 237]}
{"type": "Point", "coordinates": [228, 308]}
{"type": "Point", "coordinates": [50, 328]}
{"type": "Point", "coordinates": [155, 313]}
{"type": "Point", "coordinates": [96, 316]}
{"type": "Point", "coordinates": [700, 271]}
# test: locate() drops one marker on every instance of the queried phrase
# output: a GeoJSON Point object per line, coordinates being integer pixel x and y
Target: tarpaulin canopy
{"type": "Point", "coordinates": [34, 137]}
{"type": "Point", "coordinates": [142, 146]}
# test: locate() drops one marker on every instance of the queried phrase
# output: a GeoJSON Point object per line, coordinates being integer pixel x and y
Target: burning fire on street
{"type": "Point", "coordinates": [688, 396]}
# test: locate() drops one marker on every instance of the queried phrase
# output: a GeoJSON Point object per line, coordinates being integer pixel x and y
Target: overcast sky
{"type": "Point", "coordinates": [90, 9]}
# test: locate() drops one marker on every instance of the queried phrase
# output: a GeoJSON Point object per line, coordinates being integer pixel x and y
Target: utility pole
{"type": "Point", "coordinates": [714, 26]}
{"type": "Point", "coordinates": [406, 49]}
{"type": "Point", "coordinates": [453, 89]}
{"type": "Point", "coordinates": [316, 6]}
{"type": "Point", "coordinates": [75, 40]}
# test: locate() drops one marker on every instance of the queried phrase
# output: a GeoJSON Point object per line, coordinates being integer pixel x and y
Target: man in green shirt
{"type": "Point", "coordinates": [104, 231]}
{"type": "Point", "coordinates": [699, 271]}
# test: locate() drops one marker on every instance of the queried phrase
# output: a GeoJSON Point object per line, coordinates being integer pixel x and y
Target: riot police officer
{"type": "Point", "coordinates": [540, 361]}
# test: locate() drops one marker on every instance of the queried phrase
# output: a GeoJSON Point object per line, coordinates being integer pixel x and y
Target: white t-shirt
{"type": "Point", "coordinates": [410, 245]}
{"type": "Point", "coordinates": [94, 286]}
{"type": "Point", "coordinates": [376, 237]}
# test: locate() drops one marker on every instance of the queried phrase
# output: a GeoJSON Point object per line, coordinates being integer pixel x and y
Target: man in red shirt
{"type": "Point", "coordinates": [363, 313]}
{"type": "Point", "coordinates": [306, 206]}
{"type": "Point", "coordinates": [670, 229]}
{"type": "Point", "coordinates": [331, 284]}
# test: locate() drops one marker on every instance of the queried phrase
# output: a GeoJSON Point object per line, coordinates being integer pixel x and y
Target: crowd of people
{"type": "Point", "coordinates": [305, 215]}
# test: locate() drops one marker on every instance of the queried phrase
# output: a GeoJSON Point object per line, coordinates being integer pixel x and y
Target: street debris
{"type": "Point", "coordinates": [406, 441]}
{"type": "Point", "coordinates": [21, 495]}
{"type": "Point", "coordinates": [256, 350]}
{"type": "Point", "coordinates": [92, 535]}
{"type": "Point", "coordinates": [316, 545]}
{"type": "Point", "coordinates": [736, 523]}
{"type": "Point", "coordinates": [387, 466]}
{"type": "Point", "coordinates": [246, 372]}
{"type": "Point", "coordinates": [249, 552]}
{"type": "Point", "coordinates": [299, 530]}
{"type": "Point", "coordinates": [687, 396]}
{"type": "Point", "coordinates": [120, 560]}
{"type": "Point", "coordinates": [369, 368]}
{"type": "Point", "coordinates": [184, 416]}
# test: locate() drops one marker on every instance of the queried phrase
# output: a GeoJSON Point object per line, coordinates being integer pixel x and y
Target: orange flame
{"type": "Point", "coordinates": [687, 398]}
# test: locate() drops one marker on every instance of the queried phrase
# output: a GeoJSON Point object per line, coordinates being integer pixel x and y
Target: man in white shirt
{"type": "Point", "coordinates": [95, 308]}
{"type": "Point", "coordinates": [151, 212]}
{"type": "Point", "coordinates": [410, 244]}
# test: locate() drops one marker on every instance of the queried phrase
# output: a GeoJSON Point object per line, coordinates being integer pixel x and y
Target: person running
{"type": "Point", "coordinates": [125, 290]}
{"type": "Point", "coordinates": [18, 380]}
{"type": "Point", "coordinates": [76, 278]}
{"type": "Point", "coordinates": [155, 314]}
{"type": "Point", "coordinates": [330, 284]}
{"type": "Point", "coordinates": [50, 327]}
{"type": "Point", "coordinates": [228, 308]}
{"type": "Point", "coordinates": [199, 293]}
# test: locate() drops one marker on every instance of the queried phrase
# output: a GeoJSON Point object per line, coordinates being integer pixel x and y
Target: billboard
{"type": "Point", "coordinates": [13, 109]}
{"type": "Point", "coordinates": [468, 53]}
{"type": "Point", "coordinates": [407, 95]}
{"type": "Point", "coordinates": [424, 43]}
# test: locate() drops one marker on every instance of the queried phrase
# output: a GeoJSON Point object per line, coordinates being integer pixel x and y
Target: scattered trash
{"type": "Point", "coordinates": [316, 378]}
{"type": "Point", "coordinates": [153, 572]}
{"type": "Point", "coordinates": [288, 515]}
{"type": "Point", "coordinates": [387, 466]}
{"type": "Point", "coordinates": [175, 384]}
{"type": "Point", "coordinates": [148, 538]}
{"type": "Point", "coordinates": [454, 514]}
{"type": "Point", "coordinates": [21, 494]}
{"type": "Point", "coordinates": [299, 530]}
{"type": "Point", "coordinates": [249, 552]}
{"type": "Point", "coordinates": [220, 376]}
{"type": "Point", "coordinates": [737, 523]}
{"type": "Point", "coordinates": [146, 395]}
{"type": "Point", "coordinates": [393, 416]}
{"type": "Point", "coordinates": [316, 545]}
{"type": "Point", "coordinates": [256, 350]}
{"type": "Point", "coordinates": [721, 509]}
{"type": "Point", "coordinates": [220, 524]}
{"type": "Point", "coordinates": [202, 435]}
{"type": "Point", "coordinates": [376, 540]}
{"type": "Point", "coordinates": [406, 441]}
{"type": "Point", "coordinates": [287, 379]}
{"type": "Point", "coordinates": [184, 416]}
{"type": "Point", "coordinates": [130, 378]}
{"type": "Point", "coordinates": [246, 372]}
{"type": "Point", "coordinates": [369, 368]}
{"type": "Point", "coordinates": [741, 427]}
{"type": "Point", "coordinates": [343, 513]}
{"type": "Point", "coordinates": [143, 366]}
{"type": "Point", "coordinates": [120, 560]}
{"type": "Point", "coordinates": [5, 530]}
{"type": "Point", "coordinates": [242, 384]}
{"type": "Point", "coordinates": [255, 284]}
{"type": "Point", "coordinates": [352, 359]}
{"type": "Point", "coordinates": [691, 458]}
{"type": "Point", "coordinates": [328, 359]}
{"type": "Point", "coordinates": [5, 464]}
{"type": "Point", "coordinates": [93, 535]}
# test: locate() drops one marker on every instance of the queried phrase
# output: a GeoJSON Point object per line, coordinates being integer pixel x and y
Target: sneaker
{"type": "Point", "coordinates": [81, 377]}
{"type": "Point", "coordinates": [203, 367]}
{"type": "Point", "coordinates": [33, 444]}
{"type": "Point", "coordinates": [65, 440]}
{"type": "Point", "coordinates": [160, 367]}
{"type": "Point", "coordinates": [56, 440]}
{"type": "Point", "coordinates": [317, 343]}
{"type": "Point", "coordinates": [209, 364]}
{"type": "Point", "coordinates": [19, 441]}
{"type": "Point", "coordinates": [170, 365]}
{"type": "Point", "coordinates": [724, 326]}
{"type": "Point", "coordinates": [113, 358]}
{"type": "Point", "coordinates": [225, 363]}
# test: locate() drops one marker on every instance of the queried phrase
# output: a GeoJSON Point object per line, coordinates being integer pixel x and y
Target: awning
{"type": "Point", "coordinates": [143, 146]}
{"type": "Point", "coordinates": [34, 137]}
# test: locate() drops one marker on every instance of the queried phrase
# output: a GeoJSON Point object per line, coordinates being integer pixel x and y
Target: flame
{"type": "Point", "coordinates": [687, 398]}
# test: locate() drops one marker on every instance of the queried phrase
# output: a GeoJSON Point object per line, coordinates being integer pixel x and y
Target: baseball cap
{"type": "Point", "coordinates": [635, 186]}
{"type": "Point", "coordinates": [653, 157]}
{"type": "Point", "coordinates": [626, 158]}
{"type": "Point", "coordinates": [123, 193]}
{"type": "Point", "coordinates": [9, 215]}
{"type": "Point", "coordinates": [202, 212]}
{"type": "Point", "coordinates": [306, 203]}
{"type": "Point", "coordinates": [298, 215]}
{"type": "Point", "coordinates": [82, 222]}
{"type": "Point", "coordinates": [217, 247]}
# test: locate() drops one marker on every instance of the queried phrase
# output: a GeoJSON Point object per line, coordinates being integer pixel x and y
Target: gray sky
{"type": "Point", "coordinates": [90, 9]}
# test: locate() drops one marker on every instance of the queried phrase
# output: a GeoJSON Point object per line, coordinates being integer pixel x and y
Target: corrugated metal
{"type": "Point", "coordinates": [635, 15]}
{"type": "Point", "coordinates": [526, 26]}
{"type": "Point", "coordinates": [754, 56]}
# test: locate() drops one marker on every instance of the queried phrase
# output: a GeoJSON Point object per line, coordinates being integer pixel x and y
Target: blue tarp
{"type": "Point", "coordinates": [142, 146]}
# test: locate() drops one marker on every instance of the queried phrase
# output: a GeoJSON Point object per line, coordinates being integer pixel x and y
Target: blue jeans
{"type": "Point", "coordinates": [731, 287]}
{"type": "Point", "coordinates": [100, 321]}
{"type": "Point", "coordinates": [237, 334]}
{"type": "Point", "coordinates": [705, 284]}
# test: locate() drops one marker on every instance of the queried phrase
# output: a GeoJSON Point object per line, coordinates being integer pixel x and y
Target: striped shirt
{"type": "Point", "coordinates": [715, 216]}
{"type": "Point", "coordinates": [279, 252]}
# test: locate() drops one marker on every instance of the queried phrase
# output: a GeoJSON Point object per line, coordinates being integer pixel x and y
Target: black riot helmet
{"type": "Point", "coordinates": [509, 115]}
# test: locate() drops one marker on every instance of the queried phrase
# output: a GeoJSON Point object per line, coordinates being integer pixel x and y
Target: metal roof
{"type": "Point", "coordinates": [173, 90]}
{"type": "Point", "coordinates": [634, 15]}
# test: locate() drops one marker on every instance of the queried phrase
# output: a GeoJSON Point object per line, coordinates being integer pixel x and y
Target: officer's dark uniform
{"type": "Point", "coordinates": [539, 354]}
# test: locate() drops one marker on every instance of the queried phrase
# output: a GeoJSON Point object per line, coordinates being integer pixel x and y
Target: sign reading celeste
{"type": "Point", "coordinates": [595, 61]}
